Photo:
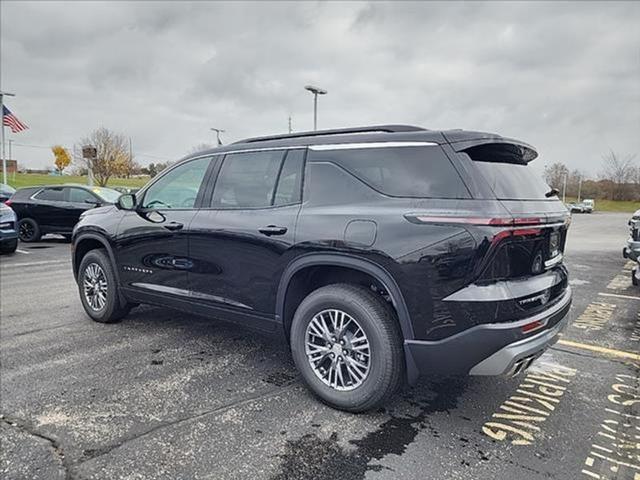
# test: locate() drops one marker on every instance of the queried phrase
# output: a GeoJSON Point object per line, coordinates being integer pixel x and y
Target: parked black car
{"type": "Point", "coordinates": [5, 192]}
{"type": "Point", "coordinates": [55, 208]}
{"type": "Point", "coordinates": [381, 253]}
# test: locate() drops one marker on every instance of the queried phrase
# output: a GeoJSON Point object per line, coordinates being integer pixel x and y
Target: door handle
{"type": "Point", "coordinates": [173, 226]}
{"type": "Point", "coordinates": [270, 230]}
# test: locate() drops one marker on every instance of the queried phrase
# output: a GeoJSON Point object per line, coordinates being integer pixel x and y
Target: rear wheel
{"type": "Point", "coordinates": [634, 278]}
{"type": "Point", "coordinates": [99, 290]}
{"type": "Point", "coordinates": [29, 230]}
{"type": "Point", "coordinates": [347, 344]}
{"type": "Point", "coordinates": [9, 246]}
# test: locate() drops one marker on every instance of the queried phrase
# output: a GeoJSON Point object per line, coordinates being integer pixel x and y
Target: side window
{"type": "Point", "coordinates": [290, 179]}
{"type": "Point", "coordinates": [420, 172]}
{"type": "Point", "coordinates": [247, 180]}
{"type": "Point", "coordinates": [178, 188]}
{"type": "Point", "coordinates": [51, 194]}
{"type": "Point", "coordinates": [79, 195]}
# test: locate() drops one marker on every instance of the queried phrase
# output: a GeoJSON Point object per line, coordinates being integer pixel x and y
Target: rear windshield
{"type": "Point", "coordinates": [421, 172]}
{"type": "Point", "coordinates": [508, 173]}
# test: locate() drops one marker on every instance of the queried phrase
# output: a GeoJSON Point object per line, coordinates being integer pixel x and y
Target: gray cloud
{"type": "Point", "coordinates": [563, 76]}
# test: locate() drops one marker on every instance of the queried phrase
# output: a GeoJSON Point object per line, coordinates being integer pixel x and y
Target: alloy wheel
{"type": "Point", "coordinates": [338, 350]}
{"type": "Point", "coordinates": [94, 284]}
{"type": "Point", "coordinates": [27, 230]}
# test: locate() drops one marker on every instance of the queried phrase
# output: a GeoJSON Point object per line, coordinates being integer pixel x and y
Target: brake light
{"type": "Point", "coordinates": [8, 203]}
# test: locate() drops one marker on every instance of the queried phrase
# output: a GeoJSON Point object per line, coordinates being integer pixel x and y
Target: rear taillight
{"type": "Point", "coordinates": [486, 221]}
{"type": "Point", "coordinates": [8, 203]}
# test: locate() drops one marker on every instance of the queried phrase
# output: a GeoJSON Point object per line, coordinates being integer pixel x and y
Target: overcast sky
{"type": "Point", "coordinates": [562, 76]}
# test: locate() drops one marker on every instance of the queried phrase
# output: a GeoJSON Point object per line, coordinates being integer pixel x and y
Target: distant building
{"type": "Point", "coordinates": [12, 166]}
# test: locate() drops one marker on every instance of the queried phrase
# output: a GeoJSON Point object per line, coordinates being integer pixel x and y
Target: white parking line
{"type": "Point", "coordinates": [617, 295]}
{"type": "Point", "coordinates": [23, 251]}
{"type": "Point", "coordinates": [33, 264]}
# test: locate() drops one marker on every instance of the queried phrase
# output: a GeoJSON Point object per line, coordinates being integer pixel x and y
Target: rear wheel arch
{"type": "Point", "coordinates": [297, 282]}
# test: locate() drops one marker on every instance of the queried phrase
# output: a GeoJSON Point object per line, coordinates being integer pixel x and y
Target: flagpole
{"type": "Point", "coordinates": [4, 158]}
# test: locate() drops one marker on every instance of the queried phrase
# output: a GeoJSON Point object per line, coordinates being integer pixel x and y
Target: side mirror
{"type": "Point", "coordinates": [126, 201]}
{"type": "Point", "coordinates": [95, 203]}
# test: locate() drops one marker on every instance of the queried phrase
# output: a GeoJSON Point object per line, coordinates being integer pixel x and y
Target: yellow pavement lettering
{"type": "Point", "coordinates": [620, 282]}
{"type": "Point", "coordinates": [522, 414]}
{"type": "Point", "coordinates": [617, 451]}
{"type": "Point", "coordinates": [595, 316]}
{"type": "Point", "coordinates": [635, 335]}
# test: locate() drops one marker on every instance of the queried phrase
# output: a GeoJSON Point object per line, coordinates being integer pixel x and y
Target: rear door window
{"type": "Point", "coordinates": [411, 171]}
{"type": "Point", "coordinates": [79, 195]}
{"type": "Point", "coordinates": [51, 195]}
{"type": "Point", "coordinates": [289, 187]}
{"type": "Point", "coordinates": [247, 180]}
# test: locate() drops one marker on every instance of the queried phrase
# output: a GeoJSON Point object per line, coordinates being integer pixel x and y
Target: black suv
{"type": "Point", "coordinates": [381, 253]}
{"type": "Point", "coordinates": [55, 208]}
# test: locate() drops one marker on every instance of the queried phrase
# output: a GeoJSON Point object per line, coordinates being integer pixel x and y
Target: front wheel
{"type": "Point", "coordinates": [346, 342]}
{"type": "Point", "coordinates": [98, 288]}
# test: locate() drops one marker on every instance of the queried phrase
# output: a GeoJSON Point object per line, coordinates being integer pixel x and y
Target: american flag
{"type": "Point", "coordinates": [11, 121]}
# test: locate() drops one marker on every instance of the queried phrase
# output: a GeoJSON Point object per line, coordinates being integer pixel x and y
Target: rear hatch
{"type": "Point", "coordinates": [530, 241]}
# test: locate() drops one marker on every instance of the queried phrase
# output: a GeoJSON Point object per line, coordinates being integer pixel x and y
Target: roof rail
{"type": "Point", "coordinates": [337, 131]}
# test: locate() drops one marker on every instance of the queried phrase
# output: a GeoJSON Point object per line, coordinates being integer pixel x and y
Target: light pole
{"type": "Point", "coordinates": [4, 159]}
{"type": "Point", "coordinates": [564, 189]}
{"type": "Point", "coordinates": [316, 91]}
{"type": "Point", "coordinates": [218, 132]}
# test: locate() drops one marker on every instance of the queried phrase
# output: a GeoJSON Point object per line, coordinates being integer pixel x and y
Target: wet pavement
{"type": "Point", "coordinates": [169, 395]}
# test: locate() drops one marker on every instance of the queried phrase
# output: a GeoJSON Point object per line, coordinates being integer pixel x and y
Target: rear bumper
{"type": "Point", "coordinates": [490, 349]}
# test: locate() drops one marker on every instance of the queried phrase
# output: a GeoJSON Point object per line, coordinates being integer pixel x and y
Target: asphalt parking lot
{"type": "Point", "coordinates": [168, 395]}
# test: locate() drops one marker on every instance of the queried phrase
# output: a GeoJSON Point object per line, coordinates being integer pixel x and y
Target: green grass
{"type": "Point", "coordinates": [33, 179]}
{"type": "Point", "coordinates": [612, 205]}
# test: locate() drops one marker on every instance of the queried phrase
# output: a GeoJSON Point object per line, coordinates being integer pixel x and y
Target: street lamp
{"type": "Point", "coordinates": [218, 132]}
{"type": "Point", "coordinates": [316, 91]}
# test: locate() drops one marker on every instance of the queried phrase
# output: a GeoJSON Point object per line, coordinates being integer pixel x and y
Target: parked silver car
{"type": "Point", "coordinates": [632, 250]}
{"type": "Point", "coordinates": [8, 229]}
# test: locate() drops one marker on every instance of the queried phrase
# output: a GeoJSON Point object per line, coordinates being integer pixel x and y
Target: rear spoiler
{"type": "Point", "coordinates": [493, 148]}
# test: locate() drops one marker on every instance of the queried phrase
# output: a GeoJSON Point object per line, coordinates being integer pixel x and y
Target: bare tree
{"type": "Point", "coordinates": [619, 170]}
{"type": "Point", "coordinates": [554, 174]}
{"type": "Point", "coordinates": [112, 158]}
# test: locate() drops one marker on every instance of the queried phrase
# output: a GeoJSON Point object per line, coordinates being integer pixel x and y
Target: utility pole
{"type": "Point", "coordinates": [290, 124]}
{"type": "Point", "coordinates": [4, 158]}
{"type": "Point", "coordinates": [564, 188]}
{"type": "Point", "coordinates": [218, 132]}
{"type": "Point", "coordinates": [579, 187]}
{"type": "Point", "coordinates": [316, 91]}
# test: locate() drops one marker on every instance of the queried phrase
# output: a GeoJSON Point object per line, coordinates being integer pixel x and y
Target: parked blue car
{"type": "Point", "coordinates": [8, 229]}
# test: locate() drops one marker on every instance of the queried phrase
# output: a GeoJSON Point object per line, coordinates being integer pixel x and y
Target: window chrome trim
{"type": "Point", "coordinates": [354, 146]}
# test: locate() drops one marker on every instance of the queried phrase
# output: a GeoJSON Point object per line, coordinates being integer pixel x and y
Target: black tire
{"type": "Point", "coordinates": [377, 320]}
{"type": "Point", "coordinates": [634, 278]}
{"type": "Point", "coordinates": [9, 246]}
{"type": "Point", "coordinates": [67, 236]}
{"type": "Point", "coordinates": [113, 309]}
{"type": "Point", "coordinates": [29, 230]}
